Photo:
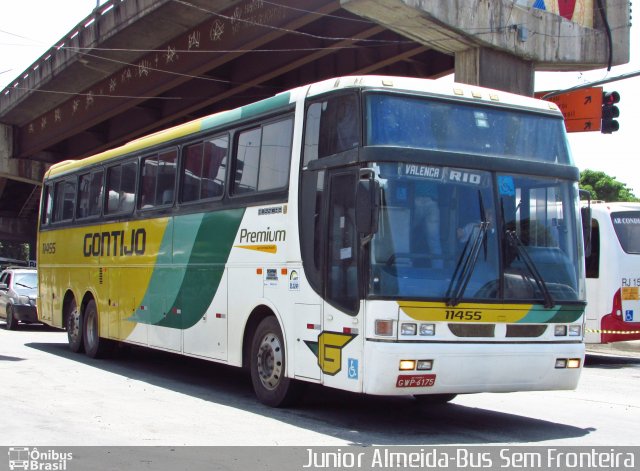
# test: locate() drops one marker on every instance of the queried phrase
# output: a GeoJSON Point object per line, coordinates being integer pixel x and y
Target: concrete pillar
{"type": "Point", "coordinates": [24, 170]}
{"type": "Point", "coordinates": [491, 68]}
{"type": "Point", "coordinates": [6, 142]}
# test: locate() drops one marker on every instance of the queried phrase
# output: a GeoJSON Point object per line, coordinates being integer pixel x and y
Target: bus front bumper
{"type": "Point", "coordinates": [470, 367]}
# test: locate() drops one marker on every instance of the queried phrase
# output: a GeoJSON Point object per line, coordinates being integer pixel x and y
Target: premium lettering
{"type": "Point", "coordinates": [260, 237]}
{"type": "Point", "coordinates": [115, 243]}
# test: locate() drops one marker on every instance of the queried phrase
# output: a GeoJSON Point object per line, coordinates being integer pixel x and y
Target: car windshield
{"type": "Point", "coordinates": [26, 280]}
{"type": "Point", "coordinates": [442, 234]}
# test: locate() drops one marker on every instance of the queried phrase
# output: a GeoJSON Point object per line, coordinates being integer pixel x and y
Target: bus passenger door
{"type": "Point", "coordinates": [341, 342]}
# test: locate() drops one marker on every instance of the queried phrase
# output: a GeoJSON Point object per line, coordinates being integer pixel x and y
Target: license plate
{"type": "Point", "coordinates": [415, 381]}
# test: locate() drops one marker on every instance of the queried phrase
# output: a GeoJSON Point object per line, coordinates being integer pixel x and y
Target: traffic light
{"type": "Point", "coordinates": [609, 112]}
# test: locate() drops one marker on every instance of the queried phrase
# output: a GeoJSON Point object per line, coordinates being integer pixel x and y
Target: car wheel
{"type": "Point", "coordinates": [268, 366]}
{"type": "Point", "coordinates": [94, 346]}
{"type": "Point", "coordinates": [74, 327]}
{"type": "Point", "coordinates": [12, 322]}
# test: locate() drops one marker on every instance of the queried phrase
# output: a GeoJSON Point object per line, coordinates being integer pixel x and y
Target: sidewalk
{"type": "Point", "coordinates": [626, 349]}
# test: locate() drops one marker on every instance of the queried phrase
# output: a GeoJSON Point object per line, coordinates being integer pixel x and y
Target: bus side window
{"type": "Point", "coordinates": [121, 185]}
{"type": "Point", "coordinates": [64, 200]}
{"type": "Point", "coordinates": [247, 161]}
{"type": "Point", "coordinates": [89, 195]}
{"type": "Point", "coordinates": [332, 126]}
{"type": "Point", "coordinates": [262, 157]}
{"type": "Point", "coordinates": [592, 262]}
{"type": "Point", "coordinates": [214, 167]}
{"type": "Point", "coordinates": [47, 208]}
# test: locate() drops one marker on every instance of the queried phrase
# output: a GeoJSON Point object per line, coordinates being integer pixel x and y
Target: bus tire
{"type": "Point", "coordinates": [94, 345]}
{"type": "Point", "coordinates": [267, 364]}
{"type": "Point", "coordinates": [74, 327]}
{"type": "Point", "coordinates": [434, 399]}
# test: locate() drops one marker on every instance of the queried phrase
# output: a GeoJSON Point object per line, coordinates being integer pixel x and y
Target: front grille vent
{"type": "Point", "coordinates": [525, 330]}
{"type": "Point", "coordinates": [473, 330]}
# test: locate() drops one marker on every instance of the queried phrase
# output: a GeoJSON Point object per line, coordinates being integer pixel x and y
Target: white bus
{"type": "Point", "coordinates": [613, 273]}
{"type": "Point", "coordinates": [384, 235]}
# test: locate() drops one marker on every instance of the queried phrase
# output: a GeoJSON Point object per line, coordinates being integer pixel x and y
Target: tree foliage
{"type": "Point", "coordinates": [604, 187]}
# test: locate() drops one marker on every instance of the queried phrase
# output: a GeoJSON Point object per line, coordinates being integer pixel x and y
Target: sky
{"type": "Point", "coordinates": [25, 36]}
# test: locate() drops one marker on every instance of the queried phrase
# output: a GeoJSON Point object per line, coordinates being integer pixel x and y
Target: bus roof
{"type": "Point", "coordinates": [407, 84]}
{"type": "Point", "coordinates": [614, 206]}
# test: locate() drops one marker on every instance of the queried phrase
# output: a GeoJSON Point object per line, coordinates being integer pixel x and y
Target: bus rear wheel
{"type": "Point", "coordinates": [94, 346]}
{"type": "Point", "coordinates": [268, 365]}
{"type": "Point", "coordinates": [74, 327]}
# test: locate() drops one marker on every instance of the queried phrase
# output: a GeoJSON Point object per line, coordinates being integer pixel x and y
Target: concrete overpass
{"type": "Point", "coordinates": [135, 66]}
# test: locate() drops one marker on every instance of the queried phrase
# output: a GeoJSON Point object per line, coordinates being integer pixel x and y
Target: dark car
{"type": "Point", "coordinates": [18, 295]}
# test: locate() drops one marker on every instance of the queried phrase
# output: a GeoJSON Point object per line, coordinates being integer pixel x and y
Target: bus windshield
{"type": "Point", "coordinates": [627, 227]}
{"type": "Point", "coordinates": [418, 122]}
{"type": "Point", "coordinates": [443, 235]}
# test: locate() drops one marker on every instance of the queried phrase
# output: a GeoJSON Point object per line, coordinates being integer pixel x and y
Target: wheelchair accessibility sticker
{"type": "Point", "coordinates": [353, 368]}
{"type": "Point", "coordinates": [628, 315]}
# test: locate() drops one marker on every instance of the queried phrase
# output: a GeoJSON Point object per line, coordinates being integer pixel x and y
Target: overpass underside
{"type": "Point", "coordinates": [177, 60]}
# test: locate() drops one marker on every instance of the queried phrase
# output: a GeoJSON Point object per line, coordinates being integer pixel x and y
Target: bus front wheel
{"type": "Point", "coordinates": [74, 327]}
{"type": "Point", "coordinates": [94, 346]}
{"type": "Point", "coordinates": [268, 366]}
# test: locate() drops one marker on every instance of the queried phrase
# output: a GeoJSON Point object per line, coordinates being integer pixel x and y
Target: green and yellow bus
{"type": "Point", "coordinates": [384, 235]}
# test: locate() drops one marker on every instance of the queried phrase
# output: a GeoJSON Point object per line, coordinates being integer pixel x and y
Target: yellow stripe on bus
{"type": "Point", "coordinates": [465, 312]}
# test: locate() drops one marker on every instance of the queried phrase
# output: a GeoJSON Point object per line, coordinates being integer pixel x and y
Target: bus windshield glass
{"type": "Point", "coordinates": [442, 234]}
{"type": "Point", "coordinates": [418, 122]}
{"type": "Point", "coordinates": [627, 227]}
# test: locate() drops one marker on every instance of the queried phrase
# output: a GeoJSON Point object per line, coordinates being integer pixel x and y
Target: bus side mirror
{"type": "Point", "coordinates": [585, 215]}
{"type": "Point", "coordinates": [367, 204]}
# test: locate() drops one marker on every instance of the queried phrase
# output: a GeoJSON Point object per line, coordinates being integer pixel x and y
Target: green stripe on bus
{"type": "Point", "coordinates": [561, 313]}
{"type": "Point", "coordinates": [248, 111]}
{"type": "Point", "coordinates": [209, 256]}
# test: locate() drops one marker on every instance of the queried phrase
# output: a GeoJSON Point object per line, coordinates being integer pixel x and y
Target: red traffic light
{"type": "Point", "coordinates": [610, 98]}
{"type": "Point", "coordinates": [610, 112]}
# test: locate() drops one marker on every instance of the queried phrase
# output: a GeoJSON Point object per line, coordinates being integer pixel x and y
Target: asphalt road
{"type": "Point", "coordinates": [145, 397]}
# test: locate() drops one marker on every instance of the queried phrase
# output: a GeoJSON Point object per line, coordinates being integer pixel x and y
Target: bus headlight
{"type": "Point", "coordinates": [575, 330]}
{"type": "Point", "coordinates": [427, 329]}
{"type": "Point", "coordinates": [560, 330]}
{"type": "Point", "coordinates": [408, 329]}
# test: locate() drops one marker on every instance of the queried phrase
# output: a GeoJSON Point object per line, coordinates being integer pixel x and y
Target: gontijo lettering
{"type": "Point", "coordinates": [115, 243]}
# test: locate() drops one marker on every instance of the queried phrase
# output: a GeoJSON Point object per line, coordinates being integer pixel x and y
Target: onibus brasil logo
{"type": "Point", "coordinates": [34, 459]}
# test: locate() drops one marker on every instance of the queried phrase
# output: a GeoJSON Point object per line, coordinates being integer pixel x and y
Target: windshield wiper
{"type": "Point", "coordinates": [466, 264]}
{"type": "Point", "coordinates": [468, 258]}
{"type": "Point", "coordinates": [25, 286]}
{"type": "Point", "coordinates": [516, 243]}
